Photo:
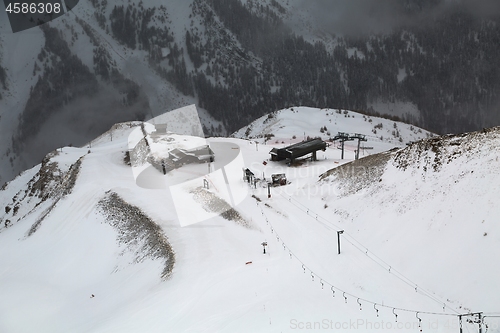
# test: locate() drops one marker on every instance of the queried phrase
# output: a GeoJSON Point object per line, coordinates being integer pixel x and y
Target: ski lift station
{"type": "Point", "coordinates": [298, 150]}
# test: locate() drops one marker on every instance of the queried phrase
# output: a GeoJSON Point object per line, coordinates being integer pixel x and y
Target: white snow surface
{"type": "Point", "coordinates": [303, 122]}
{"type": "Point", "coordinates": [420, 235]}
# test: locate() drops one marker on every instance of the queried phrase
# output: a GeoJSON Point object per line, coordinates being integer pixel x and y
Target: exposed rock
{"type": "Point", "coordinates": [138, 232]}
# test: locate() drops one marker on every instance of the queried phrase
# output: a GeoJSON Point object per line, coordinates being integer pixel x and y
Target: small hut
{"type": "Point", "coordinates": [298, 150]}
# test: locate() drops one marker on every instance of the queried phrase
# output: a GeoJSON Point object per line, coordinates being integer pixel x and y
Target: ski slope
{"type": "Point", "coordinates": [420, 239]}
{"type": "Point", "coordinates": [295, 124]}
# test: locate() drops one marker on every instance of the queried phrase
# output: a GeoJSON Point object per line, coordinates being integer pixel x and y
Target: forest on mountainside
{"type": "Point", "coordinates": [63, 80]}
{"type": "Point", "coordinates": [445, 66]}
{"type": "Point", "coordinates": [246, 63]}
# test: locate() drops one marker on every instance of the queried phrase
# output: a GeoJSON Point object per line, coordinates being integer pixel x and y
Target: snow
{"type": "Point", "coordinates": [405, 229]}
{"type": "Point", "coordinates": [302, 122]}
{"type": "Point", "coordinates": [354, 52]}
{"type": "Point", "coordinates": [18, 53]}
{"type": "Point", "coordinates": [402, 74]}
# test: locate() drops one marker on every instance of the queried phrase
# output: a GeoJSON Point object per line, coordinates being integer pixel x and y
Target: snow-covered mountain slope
{"type": "Point", "coordinates": [297, 123]}
{"type": "Point", "coordinates": [114, 61]}
{"type": "Point", "coordinates": [125, 85]}
{"type": "Point", "coordinates": [88, 249]}
{"type": "Point", "coordinates": [434, 202]}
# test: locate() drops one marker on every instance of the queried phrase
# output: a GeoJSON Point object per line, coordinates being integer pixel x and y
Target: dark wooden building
{"type": "Point", "coordinates": [298, 150]}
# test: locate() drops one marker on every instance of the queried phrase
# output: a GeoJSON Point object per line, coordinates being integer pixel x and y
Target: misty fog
{"type": "Point", "coordinates": [355, 17]}
{"type": "Point", "coordinates": [75, 123]}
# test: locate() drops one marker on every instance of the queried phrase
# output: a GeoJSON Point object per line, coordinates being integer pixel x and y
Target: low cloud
{"type": "Point", "coordinates": [81, 121]}
{"type": "Point", "coordinates": [361, 17]}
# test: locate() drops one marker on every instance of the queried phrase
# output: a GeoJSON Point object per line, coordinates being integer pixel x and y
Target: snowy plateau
{"type": "Point", "coordinates": [95, 239]}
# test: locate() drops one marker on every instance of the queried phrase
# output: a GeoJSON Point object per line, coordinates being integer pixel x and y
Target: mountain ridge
{"type": "Point", "coordinates": [99, 279]}
{"type": "Point", "coordinates": [150, 57]}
